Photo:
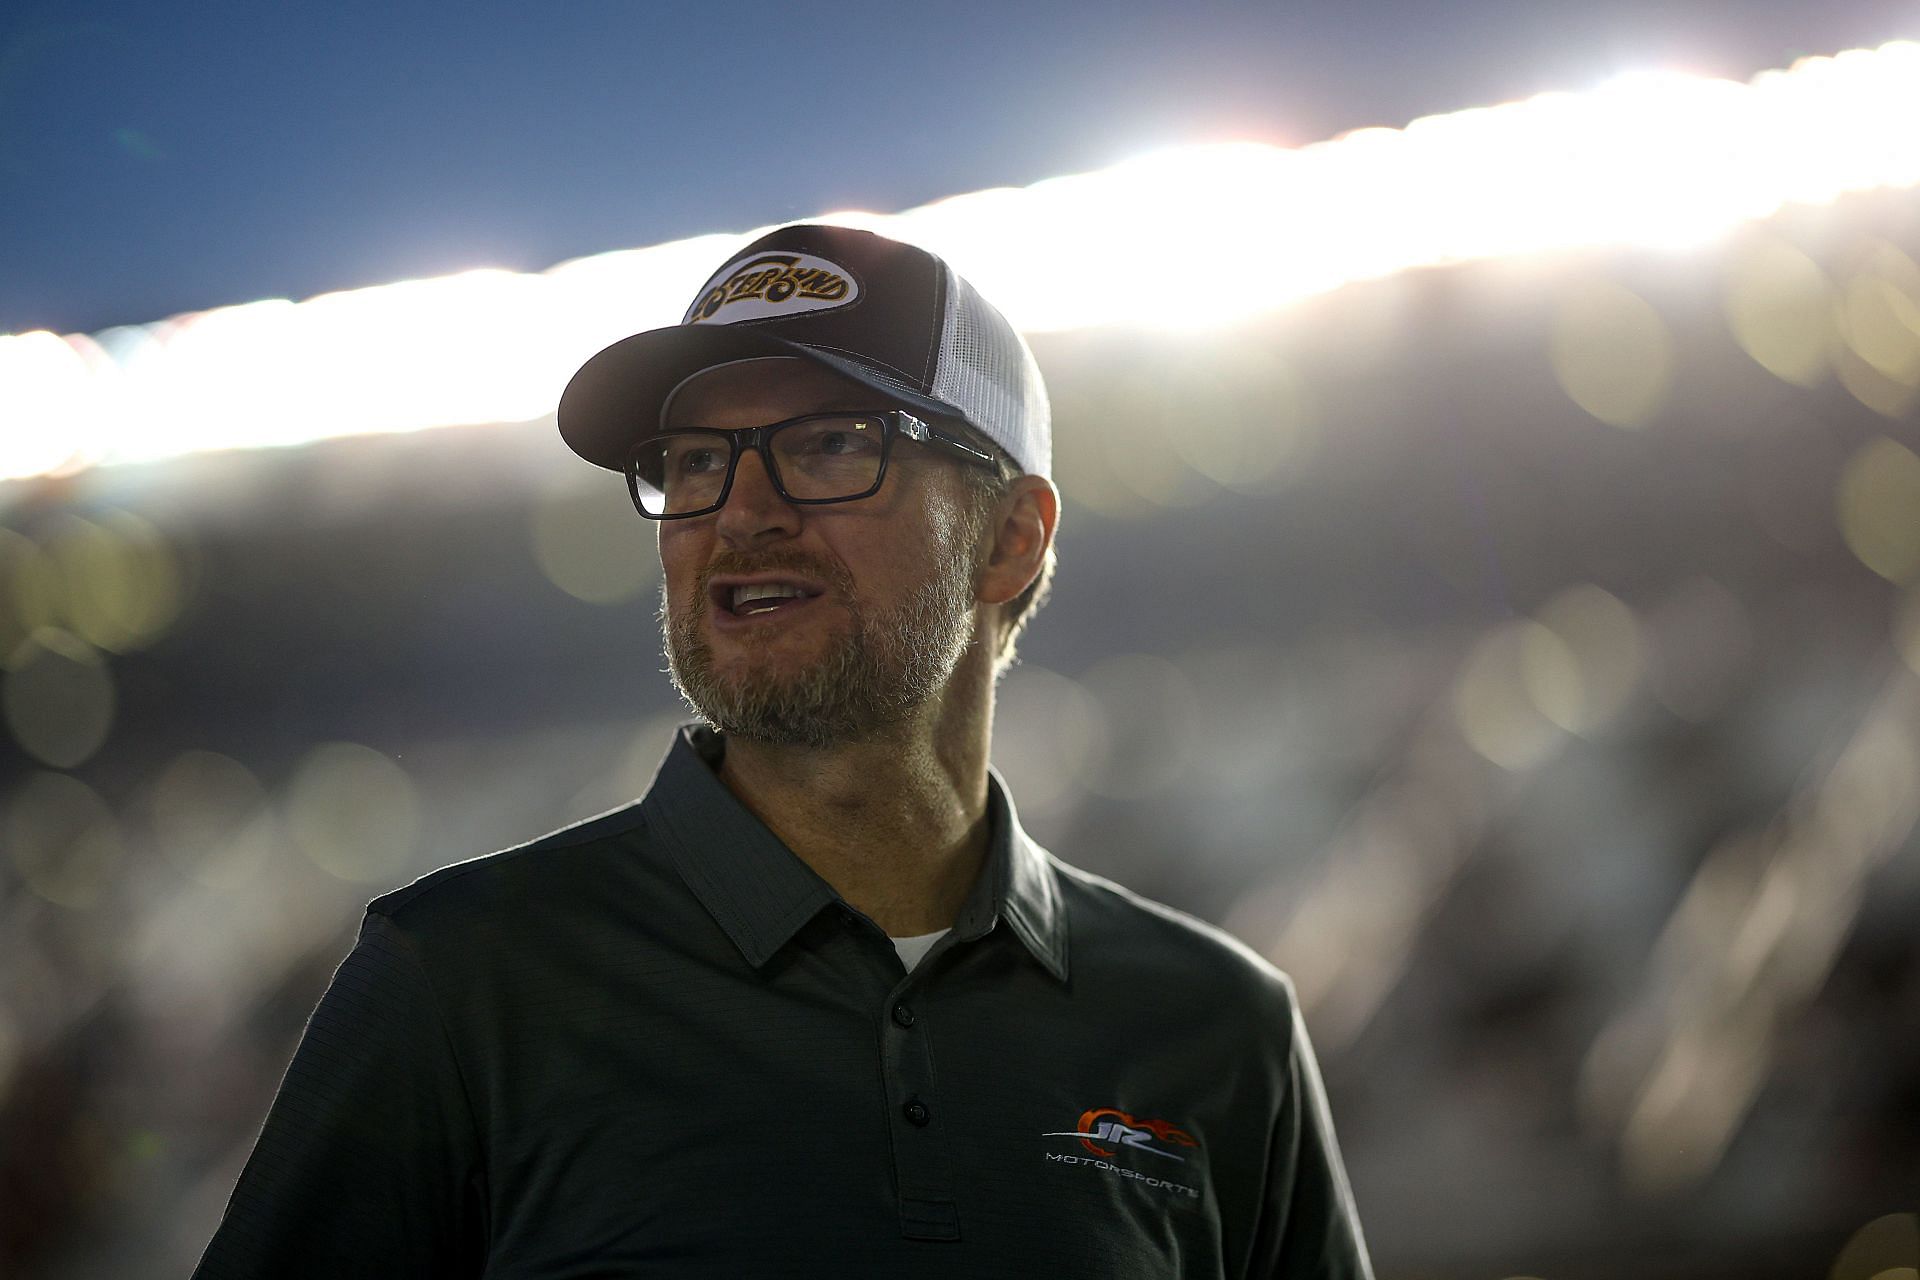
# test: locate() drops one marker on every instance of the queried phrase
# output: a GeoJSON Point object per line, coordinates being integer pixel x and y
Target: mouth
{"type": "Point", "coordinates": [744, 599]}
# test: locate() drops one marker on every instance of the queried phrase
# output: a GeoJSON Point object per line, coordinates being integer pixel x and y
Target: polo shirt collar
{"type": "Point", "coordinates": [761, 893]}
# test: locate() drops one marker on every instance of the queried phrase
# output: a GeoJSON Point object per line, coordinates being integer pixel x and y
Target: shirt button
{"type": "Point", "coordinates": [916, 1113]}
{"type": "Point", "coordinates": [903, 1015]}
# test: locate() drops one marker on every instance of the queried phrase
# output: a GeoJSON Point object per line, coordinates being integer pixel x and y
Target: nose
{"type": "Point", "coordinates": [755, 511]}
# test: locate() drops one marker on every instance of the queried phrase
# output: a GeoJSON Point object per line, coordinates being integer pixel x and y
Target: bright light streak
{"type": "Point", "coordinates": [49, 404]}
{"type": "Point", "coordinates": [1196, 237]}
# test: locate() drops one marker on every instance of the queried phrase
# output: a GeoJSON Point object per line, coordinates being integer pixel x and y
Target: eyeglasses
{"type": "Point", "coordinates": [820, 458]}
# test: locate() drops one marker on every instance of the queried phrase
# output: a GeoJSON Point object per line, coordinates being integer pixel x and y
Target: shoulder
{"type": "Point", "coordinates": [1111, 926]}
{"type": "Point", "coordinates": [573, 860]}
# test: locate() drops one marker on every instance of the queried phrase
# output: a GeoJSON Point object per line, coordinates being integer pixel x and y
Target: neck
{"type": "Point", "coordinates": [895, 822]}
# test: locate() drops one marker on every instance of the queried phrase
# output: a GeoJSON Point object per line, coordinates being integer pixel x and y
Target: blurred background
{"type": "Point", "coordinates": [1488, 440]}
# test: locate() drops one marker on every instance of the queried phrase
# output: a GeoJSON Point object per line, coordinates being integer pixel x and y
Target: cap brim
{"type": "Point", "coordinates": [614, 401]}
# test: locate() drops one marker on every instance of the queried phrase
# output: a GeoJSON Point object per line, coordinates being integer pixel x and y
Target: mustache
{"type": "Point", "coordinates": [745, 563]}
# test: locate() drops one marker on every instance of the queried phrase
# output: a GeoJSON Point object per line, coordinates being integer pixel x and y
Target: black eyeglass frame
{"type": "Point", "coordinates": [893, 422]}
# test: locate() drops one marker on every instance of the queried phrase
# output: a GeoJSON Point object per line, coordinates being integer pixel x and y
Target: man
{"type": "Point", "coordinates": [815, 1005]}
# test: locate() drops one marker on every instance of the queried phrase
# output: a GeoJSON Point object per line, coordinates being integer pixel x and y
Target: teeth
{"type": "Point", "coordinates": [762, 591]}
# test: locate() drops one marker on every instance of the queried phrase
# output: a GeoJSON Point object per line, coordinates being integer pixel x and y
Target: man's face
{"type": "Point", "coordinates": [890, 578]}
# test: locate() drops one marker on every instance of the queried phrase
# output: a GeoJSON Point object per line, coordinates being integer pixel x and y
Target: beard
{"type": "Point", "coordinates": [875, 673]}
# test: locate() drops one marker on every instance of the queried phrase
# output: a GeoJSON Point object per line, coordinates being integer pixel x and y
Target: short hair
{"type": "Point", "coordinates": [984, 491]}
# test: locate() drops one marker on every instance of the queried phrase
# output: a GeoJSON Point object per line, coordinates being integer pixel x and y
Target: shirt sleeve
{"type": "Point", "coordinates": [1309, 1228]}
{"type": "Point", "coordinates": [368, 1164]}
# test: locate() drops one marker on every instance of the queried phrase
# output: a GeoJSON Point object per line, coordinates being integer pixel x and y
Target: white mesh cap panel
{"type": "Point", "coordinates": [985, 370]}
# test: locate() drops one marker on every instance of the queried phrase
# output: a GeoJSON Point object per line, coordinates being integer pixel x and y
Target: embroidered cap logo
{"type": "Point", "coordinates": [771, 285]}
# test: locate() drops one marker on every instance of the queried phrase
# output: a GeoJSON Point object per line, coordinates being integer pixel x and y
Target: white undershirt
{"type": "Point", "coordinates": [914, 950]}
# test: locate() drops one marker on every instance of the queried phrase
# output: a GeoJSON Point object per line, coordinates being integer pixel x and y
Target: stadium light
{"type": "Point", "coordinates": [1235, 230]}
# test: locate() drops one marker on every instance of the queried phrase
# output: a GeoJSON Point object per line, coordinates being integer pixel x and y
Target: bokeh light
{"type": "Point", "coordinates": [1878, 505]}
{"type": "Point", "coordinates": [1885, 396]}
{"type": "Point", "coordinates": [1877, 316]}
{"type": "Point", "coordinates": [354, 812]}
{"type": "Point", "coordinates": [1174, 433]}
{"type": "Point", "coordinates": [1879, 313]}
{"type": "Point", "coordinates": [58, 698]}
{"type": "Point", "coordinates": [1099, 468]}
{"type": "Point", "coordinates": [62, 839]}
{"type": "Point", "coordinates": [1496, 697]}
{"type": "Point", "coordinates": [1132, 467]}
{"type": "Point", "coordinates": [1047, 732]}
{"type": "Point", "coordinates": [120, 583]}
{"type": "Point", "coordinates": [1780, 307]}
{"type": "Point", "coordinates": [1586, 680]}
{"type": "Point", "coordinates": [29, 593]}
{"type": "Point", "coordinates": [1877, 320]}
{"type": "Point", "coordinates": [210, 816]}
{"type": "Point", "coordinates": [1612, 354]}
{"type": "Point", "coordinates": [1870, 796]}
{"type": "Point", "coordinates": [1247, 423]}
{"type": "Point", "coordinates": [1887, 1248]}
{"type": "Point", "coordinates": [1906, 630]}
{"type": "Point", "coordinates": [590, 542]}
{"type": "Point", "coordinates": [1703, 1081]}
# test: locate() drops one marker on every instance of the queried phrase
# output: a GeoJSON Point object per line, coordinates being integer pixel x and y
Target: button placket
{"type": "Point", "coordinates": [922, 1168]}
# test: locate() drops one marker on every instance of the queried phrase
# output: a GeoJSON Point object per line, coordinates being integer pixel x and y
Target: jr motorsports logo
{"type": "Point", "coordinates": [1104, 1124]}
{"type": "Point", "coordinates": [772, 284]}
{"type": "Point", "coordinates": [1122, 1135]}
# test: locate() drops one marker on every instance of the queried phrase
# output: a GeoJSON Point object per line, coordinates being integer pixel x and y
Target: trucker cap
{"type": "Point", "coordinates": [888, 315]}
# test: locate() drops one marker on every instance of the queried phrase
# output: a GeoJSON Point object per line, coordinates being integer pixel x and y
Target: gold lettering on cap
{"type": "Point", "coordinates": [772, 278]}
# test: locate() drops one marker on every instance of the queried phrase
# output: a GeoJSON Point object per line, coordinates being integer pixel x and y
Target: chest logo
{"type": "Point", "coordinates": [1105, 1124]}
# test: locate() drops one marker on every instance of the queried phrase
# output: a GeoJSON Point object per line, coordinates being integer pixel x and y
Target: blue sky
{"type": "Point", "coordinates": [162, 157]}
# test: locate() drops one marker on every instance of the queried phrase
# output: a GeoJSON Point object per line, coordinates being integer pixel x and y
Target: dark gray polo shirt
{"type": "Point", "coordinates": [656, 1043]}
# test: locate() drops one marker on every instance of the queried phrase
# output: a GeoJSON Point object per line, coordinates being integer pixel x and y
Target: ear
{"type": "Point", "coordinates": [1022, 530]}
